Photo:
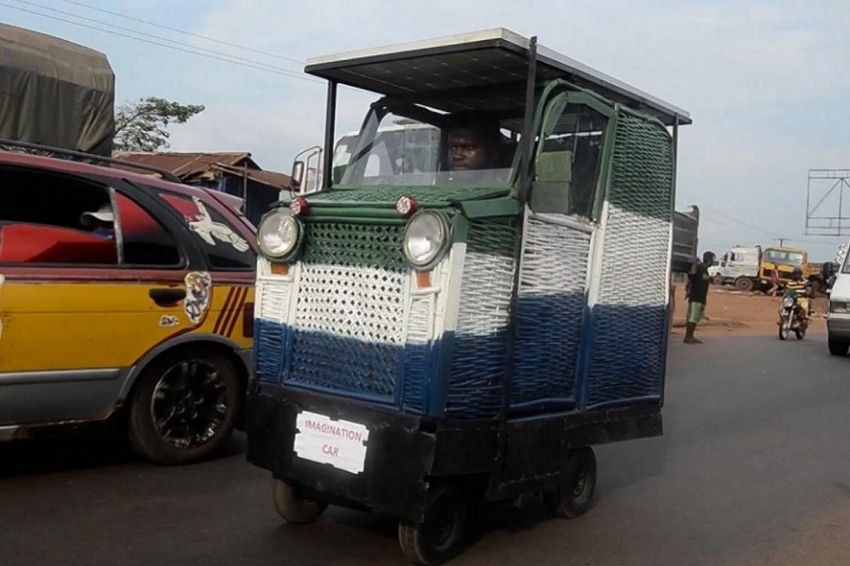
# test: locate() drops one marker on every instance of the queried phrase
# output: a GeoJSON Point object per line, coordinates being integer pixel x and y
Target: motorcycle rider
{"type": "Point", "coordinates": [803, 289]}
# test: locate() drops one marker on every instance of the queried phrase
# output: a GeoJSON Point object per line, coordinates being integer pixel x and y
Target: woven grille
{"type": "Point", "coordinates": [478, 359]}
{"type": "Point", "coordinates": [424, 195]}
{"type": "Point", "coordinates": [349, 322]}
{"type": "Point", "coordinates": [417, 370]}
{"type": "Point", "coordinates": [630, 317]}
{"type": "Point", "coordinates": [551, 304]}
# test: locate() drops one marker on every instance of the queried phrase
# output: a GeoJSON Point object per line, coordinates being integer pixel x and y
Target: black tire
{"type": "Point", "coordinates": [717, 280]}
{"type": "Point", "coordinates": [574, 498]}
{"type": "Point", "coordinates": [744, 284]}
{"type": "Point", "coordinates": [293, 508]}
{"type": "Point", "coordinates": [184, 406]}
{"type": "Point", "coordinates": [784, 328]}
{"type": "Point", "coordinates": [837, 347]}
{"type": "Point", "coordinates": [800, 333]}
{"type": "Point", "coordinates": [444, 532]}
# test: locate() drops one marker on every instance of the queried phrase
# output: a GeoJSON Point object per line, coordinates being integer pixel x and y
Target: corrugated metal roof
{"type": "Point", "coordinates": [273, 179]}
{"type": "Point", "coordinates": [187, 166]}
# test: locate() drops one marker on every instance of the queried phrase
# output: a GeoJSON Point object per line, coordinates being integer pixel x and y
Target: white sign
{"type": "Point", "coordinates": [342, 444]}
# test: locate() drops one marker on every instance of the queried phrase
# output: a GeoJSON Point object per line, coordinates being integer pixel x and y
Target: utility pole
{"type": "Point", "coordinates": [781, 241]}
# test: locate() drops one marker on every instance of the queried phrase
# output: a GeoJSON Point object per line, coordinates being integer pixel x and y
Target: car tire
{"type": "Point", "coordinates": [744, 284]}
{"type": "Point", "coordinates": [293, 508]}
{"type": "Point", "coordinates": [184, 406]}
{"type": "Point", "coordinates": [574, 497]}
{"type": "Point", "coordinates": [444, 532]}
{"type": "Point", "coordinates": [837, 347]}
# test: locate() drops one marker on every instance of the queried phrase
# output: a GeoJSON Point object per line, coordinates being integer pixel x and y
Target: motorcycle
{"type": "Point", "coordinates": [792, 316]}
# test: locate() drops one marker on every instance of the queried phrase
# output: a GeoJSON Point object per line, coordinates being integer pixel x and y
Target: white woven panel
{"type": "Point", "coordinates": [272, 299]}
{"type": "Point", "coordinates": [554, 260]}
{"type": "Point", "coordinates": [635, 265]}
{"type": "Point", "coordinates": [419, 324]}
{"type": "Point", "coordinates": [352, 302]}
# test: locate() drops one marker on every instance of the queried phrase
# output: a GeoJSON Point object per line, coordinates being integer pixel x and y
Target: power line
{"type": "Point", "coordinates": [161, 38]}
{"type": "Point", "coordinates": [177, 30]}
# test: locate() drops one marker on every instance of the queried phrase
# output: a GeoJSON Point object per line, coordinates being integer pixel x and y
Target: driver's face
{"type": "Point", "coordinates": [466, 151]}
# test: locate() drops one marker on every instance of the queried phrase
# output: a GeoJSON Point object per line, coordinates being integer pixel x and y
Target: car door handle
{"type": "Point", "coordinates": [167, 297]}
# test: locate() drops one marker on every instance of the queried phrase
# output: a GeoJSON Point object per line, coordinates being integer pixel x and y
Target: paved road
{"type": "Point", "coordinates": [754, 468]}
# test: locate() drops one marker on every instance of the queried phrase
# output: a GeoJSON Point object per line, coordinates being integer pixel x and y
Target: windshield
{"type": "Point", "coordinates": [785, 257]}
{"type": "Point", "coordinates": [431, 149]}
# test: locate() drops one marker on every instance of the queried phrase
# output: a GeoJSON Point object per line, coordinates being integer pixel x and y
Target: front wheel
{"type": "Point", "coordinates": [744, 284]}
{"type": "Point", "coordinates": [573, 498]}
{"type": "Point", "coordinates": [184, 406]}
{"type": "Point", "coordinates": [293, 508]}
{"type": "Point", "coordinates": [442, 534]}
{"type": "Point", "coordinates": [784, 328]}
{"type": "Point", "coordinates": [838, 347]}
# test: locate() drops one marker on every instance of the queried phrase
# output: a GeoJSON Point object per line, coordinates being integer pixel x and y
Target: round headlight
{"type": "Point", "coordinates": [278, 234]}
{"type": "Point", "coordinates": [425, 239]}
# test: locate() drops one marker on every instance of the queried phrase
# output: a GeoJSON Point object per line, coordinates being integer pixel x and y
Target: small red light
{"type": "Point", "coordinates": [406, 205]}
{"type": "Point", "coordinates": [298, 206]}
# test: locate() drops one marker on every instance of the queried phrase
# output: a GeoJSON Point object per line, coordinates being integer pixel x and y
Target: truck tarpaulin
{"type": "Point", "coordinates": [54, 92]}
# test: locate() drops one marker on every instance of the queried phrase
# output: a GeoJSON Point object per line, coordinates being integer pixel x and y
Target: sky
{"type": "Point", "coordinates": [766, 82]}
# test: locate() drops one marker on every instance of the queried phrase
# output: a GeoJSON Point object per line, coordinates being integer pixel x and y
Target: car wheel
{"type": "Point", "coordinates": [443, 533]}
{"type": "Point", "coordinates": [574, 497]}
{"type": "Point", "coordinates": [184, 407]}
{"type": "Point", "coordinates": [837, 347]}
{"type": "Point", "coordinates": [293, 508]}
{"type": "Point", "coordinates": [744, 284]}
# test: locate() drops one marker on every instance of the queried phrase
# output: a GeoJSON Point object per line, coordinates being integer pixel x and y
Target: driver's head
{"type": "Point", "coordinates": [473, 143]}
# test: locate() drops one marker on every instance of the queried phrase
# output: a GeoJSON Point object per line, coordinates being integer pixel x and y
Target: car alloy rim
{"type": "Point", "coordinates": [189, 404]}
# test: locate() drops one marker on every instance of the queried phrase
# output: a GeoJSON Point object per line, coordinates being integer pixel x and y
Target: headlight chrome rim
{"type": "Point", "coordinates": [290, 252]}
{"type": "Point", "coordinates": [441, 248]}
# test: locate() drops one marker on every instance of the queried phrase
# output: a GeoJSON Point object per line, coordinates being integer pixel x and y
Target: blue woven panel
{"type": "Point", "coordinates": [478, 353]}
{"type": "Point", "coordinates": [632, 362]}
{"type": "Point", "coordinates": [268, 350]}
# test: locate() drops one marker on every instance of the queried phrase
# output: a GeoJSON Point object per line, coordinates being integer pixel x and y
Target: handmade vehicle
{"type": "Point", "coordinates": [123, 298]}
{"type": "Point", "coordinates": [435, 332]}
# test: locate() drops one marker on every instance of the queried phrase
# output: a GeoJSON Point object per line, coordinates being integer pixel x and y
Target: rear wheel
{"type": "Point", "coordinates": [574, 497]}
{"type": "Point", "coordinates": [442, 534]}
{"type": "Point", "coordinates": [184, 406]}
{"type": "Point", "coordinates": [717, 280]}
{"type": "Point", "coordinates": [293, 508]}
{"type": "Point", "coordinates": [837, 346]}
{"type": "Point", "coordinates": [744, 284]}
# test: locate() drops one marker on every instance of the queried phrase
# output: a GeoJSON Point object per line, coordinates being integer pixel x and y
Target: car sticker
{"type": "Point", "coordinates": [168, 321]}
{"type": "Point", "coordinates": [204, 226]}
{"type": "Point", "coordinates": [198, 287]}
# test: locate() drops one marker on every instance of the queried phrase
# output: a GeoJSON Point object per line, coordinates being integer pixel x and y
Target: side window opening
{"type": "Point", "coordinates": [569, 160]}
{"type": "Point", "coordinates": [50, 218]}
{"type": "Point", "coordinates": [144, 240]}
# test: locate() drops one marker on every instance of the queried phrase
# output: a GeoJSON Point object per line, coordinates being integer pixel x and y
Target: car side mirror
{"type": "Point", "coordinates": [297, 173]}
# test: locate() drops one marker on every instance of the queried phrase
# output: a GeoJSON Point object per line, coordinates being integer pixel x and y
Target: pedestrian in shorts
{"type": "Point", "coordinates": [697, 294]}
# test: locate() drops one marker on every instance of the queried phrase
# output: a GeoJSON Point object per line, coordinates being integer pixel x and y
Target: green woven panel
{"type": "Point", "coordinates": [642, 176]}
{"type": "Point", "coordinates": [354, 245]}
{"type": "Point", "coordinates": [430, 196]}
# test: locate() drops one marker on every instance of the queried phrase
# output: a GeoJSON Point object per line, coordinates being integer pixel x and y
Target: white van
{"type": "Point", "coordinates": [838, 319]}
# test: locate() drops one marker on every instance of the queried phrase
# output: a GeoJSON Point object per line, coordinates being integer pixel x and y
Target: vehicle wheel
{"type": "Point", "coordinates": [574, 497]}
{"type": "Point", "coordinates": [800, 333]}
{"type": "Point", "coordinates": [184, 407]}
{"type": "Point", "coordinates": [717, 280]}
{"type": "Point", "coordinates": [837, 347]}
{"type": "Point", "coordinates": [784, 328]}
{"type": "Point", "coordinates": [293, 508]}
{"type": "Point", "coordinates": [443, 533]}
{"type": "Point", "coordinates": [744, 284]}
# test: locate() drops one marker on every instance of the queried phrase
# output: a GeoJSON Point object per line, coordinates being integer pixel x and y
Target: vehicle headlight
{"type": "Point", "coordinates": [788, 301]}
{"type": "Point", "coordinates": [425, 239]}
{"type": "Point", "coordinates": [278, 234]}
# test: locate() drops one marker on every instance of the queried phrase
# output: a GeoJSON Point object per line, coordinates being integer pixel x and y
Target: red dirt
{"type": "Point", "coordinates": [730, 311]}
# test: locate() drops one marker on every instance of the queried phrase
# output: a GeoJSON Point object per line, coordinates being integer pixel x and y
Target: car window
{"type": "Point", "coordinates": [222, 242]}
{"type": "Point", "coordinates": [145, 241]}
{"type": "Point", "coordinates": [49, 218]}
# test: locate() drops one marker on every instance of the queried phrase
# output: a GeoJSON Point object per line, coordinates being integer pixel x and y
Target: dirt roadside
{"type": "Point", "coordinates": [735, 312]}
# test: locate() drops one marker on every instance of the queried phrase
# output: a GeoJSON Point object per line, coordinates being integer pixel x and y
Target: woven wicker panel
{"type": "Point", "coordinates": [630, 317]}
{"type": "Point", "coordinates": [272, 300]}
{"type": "Point", "coordinates": [424, 195]}
{"type": "Point", "coordinates": [349, 320]}
{"type": "Point", "coordinates": [269, 350]}
{"type": "Point", "coordinates": [551, 303]}
{"type": "Point", "coordinates": [478, 358]}
{"type": "Point", "coordinates": [417, 362]}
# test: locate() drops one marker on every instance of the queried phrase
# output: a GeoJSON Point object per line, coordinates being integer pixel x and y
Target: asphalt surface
{"type": "Point", "coordinates": [754, 468]}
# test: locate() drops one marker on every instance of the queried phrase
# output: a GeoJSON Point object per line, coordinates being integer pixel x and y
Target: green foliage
{"type": "Point", "coordinates": [141, 126]}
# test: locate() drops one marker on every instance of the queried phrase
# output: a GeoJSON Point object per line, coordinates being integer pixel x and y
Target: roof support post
{"type": "Point", "coordinates": [528, 123]}
{"type": "Point", "coordinates": [330, 121]}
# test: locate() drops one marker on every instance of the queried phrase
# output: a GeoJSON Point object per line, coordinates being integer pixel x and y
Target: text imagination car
{"type": "Point", "coordinates": [431, 334]}
{"type": "Point", "coordinates": [123, 298]}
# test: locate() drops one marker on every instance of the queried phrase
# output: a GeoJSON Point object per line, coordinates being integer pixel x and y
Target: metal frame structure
{"type": "Point", "coordinates": [828, 225]}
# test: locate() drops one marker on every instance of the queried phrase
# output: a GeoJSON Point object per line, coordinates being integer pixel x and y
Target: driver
{"type": "Point", "coordinates": [473, 144]}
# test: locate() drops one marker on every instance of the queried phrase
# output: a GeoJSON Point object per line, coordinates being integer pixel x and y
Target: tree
{"type": "Point", "coordinates": [141, 126]}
